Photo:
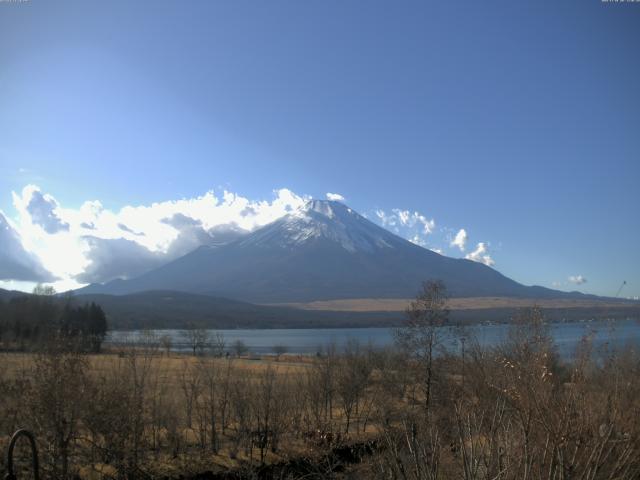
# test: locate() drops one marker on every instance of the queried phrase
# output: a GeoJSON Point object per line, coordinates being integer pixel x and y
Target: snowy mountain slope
{"type": "Point", "coordinates": [327, 220]}
{"type": "Point", "coordinates": [322, 251]}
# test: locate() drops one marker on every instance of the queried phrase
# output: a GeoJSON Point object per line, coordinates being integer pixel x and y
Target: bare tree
{"type": "Point", "coordinates": [240, 402]}
{"type": "Point", "coordinates": [57, 404]}
{"type": "Point", "coordinates": [218, 344]}
{"type": "Point", "coordinates": [279, 350]}
{"type": "Point", "coordinates": [320, 390]}
{"type": "Point", "coordinates": [208, 400]}
{"type": "Point", "coordinates": [190, 385]}
{"type": "Point", "coordinates": [225, 393]}
{"type": "Point", "coordinates": [158, 405]}
{"type": "Point", "coordinates": [44, 290]}
{"type": "Point", "coordinates": [240, 348]}
{"type": "Point", "coordinates": [263, 406]}
{"type": "Point", "coordinates": [139, 369]}
{"type": "Point", "coordinates": [109, 414]}
{"type": "Point", "coordinates": [353, 374]}
{"type": "Point", "coordinates": [149, 341]}
{"type": "Point", "coordinates": [421, 333]}
{"type": "Point", "coordinates": [197, 339]}
{"type": "Point", "coordinates": [166, 343]}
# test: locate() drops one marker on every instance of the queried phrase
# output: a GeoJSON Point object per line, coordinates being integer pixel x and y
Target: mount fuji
{"type": "Point", "coordinates": [322, 251]}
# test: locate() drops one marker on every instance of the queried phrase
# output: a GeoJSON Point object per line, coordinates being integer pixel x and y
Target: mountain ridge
{"type": "Point", "coordinates": [322, 251]}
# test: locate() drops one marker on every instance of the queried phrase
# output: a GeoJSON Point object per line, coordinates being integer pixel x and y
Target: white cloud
{"type": "Point", "coordinates": [577, 279]}
{"type": "Point", "coordinates": [422, 231]}
{"type": "Point", "coordinates": [387, 221]}
{"type": "Point", "coordinates": [335, 197]}
{"type": "Point", "coordinates": [418, 240]}
{"type": "Point", "coordinates": [460, 240]}
{"type": "Point", "coordinates": [413, 219]}
{"type": "Point", "coordinates": [404, 216]}
{"type": "Point", "coordinates": [411, 225]}
{"type": "Point", "coordinates": [481, 255]}
{"type": "Point", "coordinates": [95, 244]}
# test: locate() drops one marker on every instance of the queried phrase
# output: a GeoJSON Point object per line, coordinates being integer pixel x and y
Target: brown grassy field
{"type": "Point", "coordinates": [16, 364]}
{"type": "Point", "coordinates": [469, 303]}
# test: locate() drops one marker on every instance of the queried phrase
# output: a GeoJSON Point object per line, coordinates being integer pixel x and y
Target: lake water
{"type": "Point", "coordinates": [616, 334]}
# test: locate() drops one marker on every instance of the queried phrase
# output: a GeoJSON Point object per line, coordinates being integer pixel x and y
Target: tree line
{"type": "Point", "coordinates": [31, 322]}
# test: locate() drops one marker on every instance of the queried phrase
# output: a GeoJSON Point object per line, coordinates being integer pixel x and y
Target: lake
{"type": "Point", "coordinates": [616, 334]}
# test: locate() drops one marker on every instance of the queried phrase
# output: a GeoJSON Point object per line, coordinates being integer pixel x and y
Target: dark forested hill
{"type": "Point", "coordinates": [171, 309]}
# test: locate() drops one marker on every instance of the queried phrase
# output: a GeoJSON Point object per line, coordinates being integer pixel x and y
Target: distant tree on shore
{"type": "Point", "coordinates": [280, 350]}
{"type": "Point", "coordinates": [166, 343]}
{"type": "Point", "coordinates": [197, 339]}
{"type": "Point", "coordinates": [218, 344]}
{"type": "Point", "coordinates": [240, 348]}
{"type": "Point", "coordinates": [44, 290]}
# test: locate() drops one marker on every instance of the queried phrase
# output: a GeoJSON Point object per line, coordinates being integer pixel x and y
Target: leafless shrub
{"type": "Point", "coordinates": [57, 404]}
{"type": "Point", "coordinates": [352, 380]}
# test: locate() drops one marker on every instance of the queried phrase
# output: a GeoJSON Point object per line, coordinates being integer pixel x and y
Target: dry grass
{"type": "Point", "coordinates": [468, 303]}
{"type": "Point", "coordinates": [14, 364]}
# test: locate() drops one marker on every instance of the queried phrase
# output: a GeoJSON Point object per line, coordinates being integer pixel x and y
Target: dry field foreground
{"type": "Point", "coordinates": [179, 414]}
{"type": "Point", "coordinates": [508, 412]}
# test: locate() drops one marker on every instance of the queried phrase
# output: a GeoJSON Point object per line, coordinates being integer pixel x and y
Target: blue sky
{"type": "Point", "coordinates": [517, 121]}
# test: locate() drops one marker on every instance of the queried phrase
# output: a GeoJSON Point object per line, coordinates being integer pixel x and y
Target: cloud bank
{"type": "Point", "coordinates": [46, 242]}
{"type": "Point", "coordinates": [94, 244]}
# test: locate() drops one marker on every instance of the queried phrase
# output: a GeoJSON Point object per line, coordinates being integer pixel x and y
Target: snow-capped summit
{"type": "Point", "coordinates": [323, 220]}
